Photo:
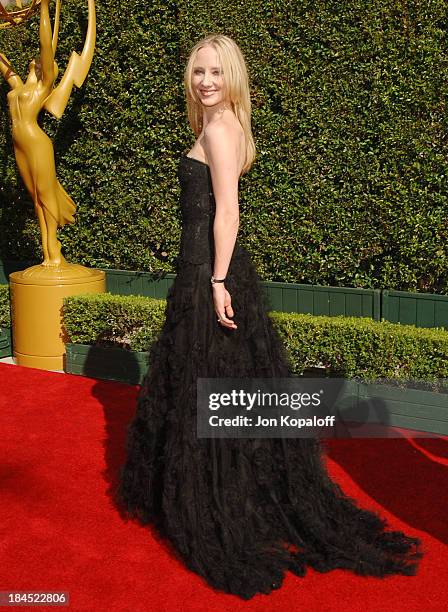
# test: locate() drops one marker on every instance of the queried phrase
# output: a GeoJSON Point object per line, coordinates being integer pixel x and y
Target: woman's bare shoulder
{"type": "Point", "coordinates": [225, 126]}
{"type": "Point", "coordinates": [225, 132]}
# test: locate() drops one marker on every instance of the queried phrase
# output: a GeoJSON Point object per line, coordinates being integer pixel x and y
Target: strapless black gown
{"type": "Point", "coordinates": [239, 512]}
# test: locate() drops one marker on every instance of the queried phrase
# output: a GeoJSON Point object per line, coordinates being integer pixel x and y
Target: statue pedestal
{"type": "Point", "coordinates": [36, 303]}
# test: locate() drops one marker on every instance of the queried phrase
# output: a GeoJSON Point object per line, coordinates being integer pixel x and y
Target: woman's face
{"type": "Point", "coordinates": [207, 80]}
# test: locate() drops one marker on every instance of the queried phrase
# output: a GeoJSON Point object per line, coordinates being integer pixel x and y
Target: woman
{"type": "Point", "coordinates": [239, 511]}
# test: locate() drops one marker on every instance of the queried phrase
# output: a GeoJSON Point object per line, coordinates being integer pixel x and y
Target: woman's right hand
{"type": "Point", "coordinates": [223, 306]}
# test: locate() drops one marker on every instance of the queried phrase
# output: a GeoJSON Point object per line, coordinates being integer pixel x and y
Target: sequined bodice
{"type": "Point", "coordinates": [198, 208]}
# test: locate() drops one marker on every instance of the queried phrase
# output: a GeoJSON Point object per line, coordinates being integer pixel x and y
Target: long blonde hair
{"type": "Point", "coordinates": [236, 81]}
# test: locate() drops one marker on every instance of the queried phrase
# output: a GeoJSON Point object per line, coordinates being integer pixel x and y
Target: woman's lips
{"type": "Point", "coordinates": [207, 93]}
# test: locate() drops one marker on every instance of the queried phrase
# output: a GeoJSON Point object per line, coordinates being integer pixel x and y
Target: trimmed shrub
{"type": "Point", "coordinates": [351, 346]}
{"type": "Point", "coordinates": [5, 314]}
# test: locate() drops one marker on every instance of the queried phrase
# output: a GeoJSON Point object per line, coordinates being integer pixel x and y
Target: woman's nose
{"type": "Point", "coordinates": [206, 80]}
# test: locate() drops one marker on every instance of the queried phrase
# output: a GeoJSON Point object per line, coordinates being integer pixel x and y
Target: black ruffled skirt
{"type": "Point", "coordinates": [239, 512]}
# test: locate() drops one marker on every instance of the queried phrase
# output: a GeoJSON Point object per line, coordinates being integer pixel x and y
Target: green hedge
{"type": "Point", "coordinates": [349, 117]}
{"type": "Point", "coordinates": [352, 346]}
{"type": "Point", "coordinates": [113, 320]}
{"type": "Point", "coordinates": [5, 314]}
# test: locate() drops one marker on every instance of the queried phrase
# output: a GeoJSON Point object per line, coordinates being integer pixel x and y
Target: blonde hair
{"type": "Point", "coordinates": [233, 67]}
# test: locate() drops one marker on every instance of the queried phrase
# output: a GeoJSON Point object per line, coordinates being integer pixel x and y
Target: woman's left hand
{"type": "Point", "coordinates": [223, 306]}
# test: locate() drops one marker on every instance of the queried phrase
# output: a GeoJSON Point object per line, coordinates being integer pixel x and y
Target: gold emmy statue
{"type": "Point", "coordinates": [37, 293]}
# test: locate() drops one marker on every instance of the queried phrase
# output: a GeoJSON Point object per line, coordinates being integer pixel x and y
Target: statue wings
{"type": "Point", "coordinates": [78, 65]}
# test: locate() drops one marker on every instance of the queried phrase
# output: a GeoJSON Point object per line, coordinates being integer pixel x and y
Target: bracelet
{"type": "Point", "coordinates": [214, 280]}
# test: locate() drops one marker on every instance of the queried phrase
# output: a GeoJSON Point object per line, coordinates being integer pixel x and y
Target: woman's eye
{"type": "Point", "coordinates": [215, 72]}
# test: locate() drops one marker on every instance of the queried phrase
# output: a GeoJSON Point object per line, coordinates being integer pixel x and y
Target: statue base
{"type": "Point", "coordinates": [36, 304]}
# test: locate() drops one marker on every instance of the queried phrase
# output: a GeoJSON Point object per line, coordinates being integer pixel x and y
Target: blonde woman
{"type": "Point", "coordinates": [240, 512]}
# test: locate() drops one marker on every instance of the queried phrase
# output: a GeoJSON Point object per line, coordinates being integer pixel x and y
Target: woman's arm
{"type": "Point", "coordinates": [46, 46]}
{"type": "Point", "coordinates": [8, 72]}
{"type": "Point", "coordinates": [221, 146]}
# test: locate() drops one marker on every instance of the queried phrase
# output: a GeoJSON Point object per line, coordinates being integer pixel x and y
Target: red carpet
{"type": "Point", "coordinates": [62, 442]}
